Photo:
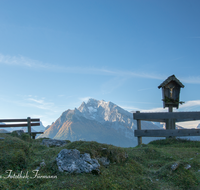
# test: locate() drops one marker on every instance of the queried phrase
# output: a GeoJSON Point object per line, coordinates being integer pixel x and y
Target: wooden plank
{"type": "Point", "coordinates": [25, 132]}
{"type": "Point", "coordinates": [167, 133]}
{"type": "Point", "coordinates": [37, 132]}
{"type": "Point", "coordinates": [179, 116]}
{"type": "Point", "coordinates": [155, 120]}
{"type": "Point", "coordinates": [19, 125]}
{"type": "Point", "coordinates": [17, 120]}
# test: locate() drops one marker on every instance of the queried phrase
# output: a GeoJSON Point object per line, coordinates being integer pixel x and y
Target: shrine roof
{"type": "Point", "coordinates": [169, 79]}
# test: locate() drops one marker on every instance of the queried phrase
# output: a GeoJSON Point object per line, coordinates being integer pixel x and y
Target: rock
{"type": "Point", "coordinates": [19, 132]}
{"type": "Point", "coordinates": [42, 164]}
{"type": "Point", "coordinates": [104, 161]}
{"type": "Point", "coordinates": [174, 166]}
{"type": "Point", "coordinates": [53, 142]}
{"type": "Point", "coordinates": [71, 161]}
{"type": "Point", "coordinates": [188, 167]}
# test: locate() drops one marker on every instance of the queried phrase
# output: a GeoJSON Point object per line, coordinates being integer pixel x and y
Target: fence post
{"type": "Point", "coordinates": [170, 124]}
{"type": "Point", "coordinates": [139, 128]}
{"type": "Point", "coordinates": [29, 125]}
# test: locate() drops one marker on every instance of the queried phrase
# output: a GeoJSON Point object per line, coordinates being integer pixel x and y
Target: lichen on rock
{"type": "Point", "coordinates": [71, 161]}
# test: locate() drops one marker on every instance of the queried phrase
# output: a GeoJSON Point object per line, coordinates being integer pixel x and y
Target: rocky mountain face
{"type": "Point", "coordinates": [100, 121]}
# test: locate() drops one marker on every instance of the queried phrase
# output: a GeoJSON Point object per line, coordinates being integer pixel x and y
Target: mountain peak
{"type": "Point", "coordinates": [92, 100]}
{"type": "Point", "coordinates": [102, 111]}
{"type": "Point", "coordinates": [95, 104]}
{"type": "Point", "coordinates": [82, 107]}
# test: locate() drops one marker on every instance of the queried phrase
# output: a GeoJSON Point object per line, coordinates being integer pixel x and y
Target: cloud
{"type": "Point", "coordinates": [144, 89]}
{"type": "Point", "coordinates": [37, 101]}
{"type": "Point", "coordinates": [191, 79]}
{"type": "Point", "coordinates": [20, 61]}
{"type": "Point", "coordinates": [84, 99]}
{"type": "Point", "coordinates": [129, 108]}
{"type": "Point", "coordinates": [190, 104]}
{"type": "Point", "coordinates": [40, 103]}
{"type": "Point", "coordinates": [112, 84]}
{"type": "Point", "coordinates": [160, 109]}
{"type": "Point", "coordinates": [188, 124]}
{"type": "Point", "coordinates": [30, 63]}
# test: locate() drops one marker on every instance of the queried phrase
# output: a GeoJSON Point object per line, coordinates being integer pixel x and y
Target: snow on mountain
{"type": "Point", "coordinates": [103, 112]}
{"type": "Point", "coordinates": [161, 125]}
{"type": "Point", "coordinates": [108, 114]}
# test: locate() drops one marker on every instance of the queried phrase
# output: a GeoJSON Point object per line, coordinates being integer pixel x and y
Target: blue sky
{"type": "Point", "coordinates": [56, 54]}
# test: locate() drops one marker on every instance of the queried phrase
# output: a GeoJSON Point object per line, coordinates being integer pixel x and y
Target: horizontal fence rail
{"type": "Point", "coordinates": [167, 133]}
{"type": "Point", "coordinates": [17, 120]}
{"type": "Point", "coordinates": [163, 116]}
{"type": "Point", "coordinates": [19, 125]}
{"type": "Point", "coordinates": [26, 123]}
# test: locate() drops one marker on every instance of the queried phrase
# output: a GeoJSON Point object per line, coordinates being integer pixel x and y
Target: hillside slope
{"type": "Point", "coordinates": [164, 164]}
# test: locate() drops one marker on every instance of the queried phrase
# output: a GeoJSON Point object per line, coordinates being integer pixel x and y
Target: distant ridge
{"type": "Point", "coordinates": [3, 131]}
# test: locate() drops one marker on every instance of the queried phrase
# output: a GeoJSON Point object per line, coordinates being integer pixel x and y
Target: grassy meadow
{"type": "Point", "coordinates": [146, 167]}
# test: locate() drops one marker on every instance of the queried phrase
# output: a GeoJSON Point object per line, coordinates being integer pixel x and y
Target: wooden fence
{"type": "Point", "coordinates": [167, 117]}
{"type": "Point", "coordinates": [29, 122]}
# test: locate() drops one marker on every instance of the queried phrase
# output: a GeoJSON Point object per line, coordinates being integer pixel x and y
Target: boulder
{"type": "Point", "coordinates": [71, 161]}
{"type": "Point", "coordinates": [53, 142]}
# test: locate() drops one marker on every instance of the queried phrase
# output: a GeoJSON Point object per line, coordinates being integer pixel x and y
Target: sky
{"type": "Point", "coordinates": [56, 54]}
